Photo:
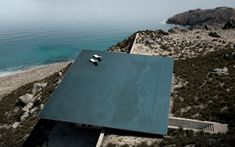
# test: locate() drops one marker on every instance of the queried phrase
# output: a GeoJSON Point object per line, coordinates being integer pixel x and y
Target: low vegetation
{"type": "Point", "coordinates": [11, 112]}
{"type": "Point", "coordinates": [209, 96]}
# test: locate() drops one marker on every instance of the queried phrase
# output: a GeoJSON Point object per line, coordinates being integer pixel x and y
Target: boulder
{"type": "Point", "coordinates": [33, 110]}
{"type": "Point", "coordinates": [38, 87]}
{"type": "Point", "coordinates": [15, 125]}
{"type": "Point", "coordinates": [60, 74]}
{"type": "Point", "coordinates": [165, 53]}
{"type": "Point", "coordinates": [24, 116]}
{"type": "Point", "coordinates": [174, 30]}
{"type": "Point", "coordinates": [163, 32]}
{"type": "Point", "coordinates": [220, 71]}
{"type": "Point", "coordinates": [27, 98]}
{"type": "Point", "coordinates": [230, 24]}
{"type": "Point", "coordinates": [214, 34]}
{"type": "Point", "coordinates": [27, 107]}
{"type": "Point", "coordinates": [41, 106]}
{"type": "Point", "coordinates": [26, 110]}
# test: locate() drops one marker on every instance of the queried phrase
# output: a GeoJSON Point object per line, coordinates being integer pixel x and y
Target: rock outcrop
{"type": "Point", "coordinates": [182, 44]}
{"type": "Point", "coordinates": [220, 71]}
{"type": "Point", "coordinates": [214, 34]}
{"type": "Point", "coordinates": [218, 16]}
{"type": "Point", "coordinates": [230, 24]}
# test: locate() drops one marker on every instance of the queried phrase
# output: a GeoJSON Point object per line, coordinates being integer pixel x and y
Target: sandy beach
{"type": "Point", "coordinates": [19, 78]}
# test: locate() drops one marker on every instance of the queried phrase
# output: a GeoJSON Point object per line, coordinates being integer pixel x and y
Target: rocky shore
{"type": "Point", "coordinates": [217, 17]}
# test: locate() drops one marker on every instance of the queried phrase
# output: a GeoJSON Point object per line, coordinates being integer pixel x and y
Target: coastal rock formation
{"type": "Point", "coordinates": [230, 24]}
{"type": "Point", "coordinates": [37, 87]}
{"type": "Point", "coordinates": [174, 30]}
{"type": "Point", "coordinates": [217, 16]}
{"type": "Point", "coordinates": [27, 98]}
{"type": "Point", "coordinates": [15, 125]}
{"type": "Point", "coordinates": [163, 32]}
{"type": "Point", "coordinates": [214, 34]}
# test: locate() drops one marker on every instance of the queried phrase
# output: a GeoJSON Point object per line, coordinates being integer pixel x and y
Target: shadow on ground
{"type": "Point", "coordinates": [49, 133]}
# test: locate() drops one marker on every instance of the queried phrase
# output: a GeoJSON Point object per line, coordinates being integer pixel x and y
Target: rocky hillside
{"type": "Point", "coordinates": [19, 110]}
{"type": "Point", "coordinates": [207, 93]}
{"type": "Point", "coordinates": [203, 86]}
{"type": "Point", "coordinates": [217, 16]}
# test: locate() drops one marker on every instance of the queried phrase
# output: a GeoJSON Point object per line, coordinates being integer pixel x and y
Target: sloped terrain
{"type": "Point", "coordinates": [208, 95]}
{"type": "Point", "coordinates": [204, 83]}
{"type": "Point", "coordinates": [19, 116]}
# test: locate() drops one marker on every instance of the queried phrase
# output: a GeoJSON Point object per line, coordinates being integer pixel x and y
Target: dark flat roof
{"type": "Point", "coordinates": [124, 91]}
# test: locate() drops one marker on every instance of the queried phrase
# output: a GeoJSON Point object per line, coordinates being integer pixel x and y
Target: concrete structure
{"type": "Point", "coordinates": [101, 137]}
{"type": "Point", "coordinates": [134, 43]}
{"type": "Point", "coordinates": [196, 125]}
{"type": "Point", "coordinates": [187, 124]}
{"type": "Point", "coordinates": [118, 92]}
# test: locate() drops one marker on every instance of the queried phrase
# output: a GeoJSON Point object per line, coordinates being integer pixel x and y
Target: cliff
{"type": "Point", "coordinates": [218, 16]}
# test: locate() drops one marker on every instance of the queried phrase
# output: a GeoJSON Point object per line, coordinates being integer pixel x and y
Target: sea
{"type": "Point", "coordinates": [39, 32]}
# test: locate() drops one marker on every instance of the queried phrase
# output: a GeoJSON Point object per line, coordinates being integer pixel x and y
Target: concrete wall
{"type": "Point", "coordinates": [197, 125]}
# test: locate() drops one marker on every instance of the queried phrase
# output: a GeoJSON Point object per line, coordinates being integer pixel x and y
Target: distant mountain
{"type": "Point", "coordinates": [218, 16]}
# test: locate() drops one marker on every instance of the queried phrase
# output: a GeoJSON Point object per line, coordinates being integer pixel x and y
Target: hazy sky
{"type": "Point", "coordinates": [98, 11]}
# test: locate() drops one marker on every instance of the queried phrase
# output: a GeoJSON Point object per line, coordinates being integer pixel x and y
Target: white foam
{"type": "Point", "coordinates": [20, 69]}
{"type": "Point", "coordinates": [16, 70]}
{"type": "Point", "coordinates": [6, 73]}
{"type": "Point", "coordinates": [163, 22]}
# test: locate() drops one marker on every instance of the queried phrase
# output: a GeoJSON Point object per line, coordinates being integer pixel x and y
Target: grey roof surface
{"type": "Point", "coordinates": [129, 92]}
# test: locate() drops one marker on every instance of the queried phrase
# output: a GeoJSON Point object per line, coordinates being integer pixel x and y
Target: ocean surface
{"type": "Point", "coordinates": [34, 32]}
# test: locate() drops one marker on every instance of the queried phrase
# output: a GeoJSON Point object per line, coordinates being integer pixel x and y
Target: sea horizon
{"type": "Point", "coordinates": [38, 33]}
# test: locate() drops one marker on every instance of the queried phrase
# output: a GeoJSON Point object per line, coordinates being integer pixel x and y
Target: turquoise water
{"type": "Point", "coordinates": [23, 47]}
{"type": "Point", "coordinates": [41, 32]}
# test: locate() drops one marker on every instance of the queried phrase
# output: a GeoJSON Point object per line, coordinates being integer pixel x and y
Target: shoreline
{"type": "Point", "coordinates": [4, 73]}
{"type": "Point", "coordinates": [15, 79]}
